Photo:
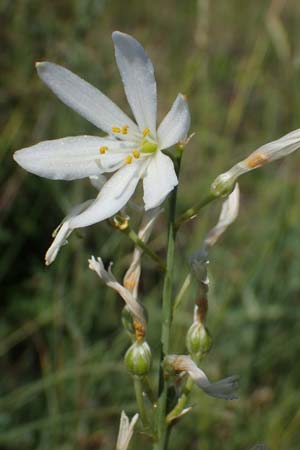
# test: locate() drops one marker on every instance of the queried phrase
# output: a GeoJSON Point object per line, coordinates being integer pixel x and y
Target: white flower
{"type": "Point", "coordinates": [133, 150]}
{"type": "Point", "coordinates": [109, 279]}
{"type": "Point", "coordinates": [125, 431]}
{"type": "Point", "coordinates": [225, 388]}
{"type": "Point", "coordinates": [266, 153]}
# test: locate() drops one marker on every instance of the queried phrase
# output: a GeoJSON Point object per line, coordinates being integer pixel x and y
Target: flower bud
{"type": "Point", "coordinates": [138, 358]}
{"type": "Point", "coordinates": [198, 339]}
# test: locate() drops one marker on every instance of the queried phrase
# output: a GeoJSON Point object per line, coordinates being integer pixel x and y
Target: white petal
{"type": "Point", "coordinates": [176, 124]}
{"type": "Point", "coordinates": [113, 196]}
{"type": "Point", "coordinates": [81, 96]}
{"type": "Point", "coordinates": [98, 181]}
{"type": "Point", "coordinates": [65, 159]}
{"type": "Point", "coordinates": [60, 239]}
{"type": "Point", "coordinates": [229, 213]}
{"type": "Point", "coordinates": [125, 431]}
{"type": "Point", "coordinates": [62, 232]}
{"type": "Point", "coordinates": [137, 74]}
{"type": "Point", "coordinates": [160, 178]}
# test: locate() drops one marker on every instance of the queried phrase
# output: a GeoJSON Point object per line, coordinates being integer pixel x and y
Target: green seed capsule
{"type": "Point", "coordinates": [138, 358]}
{"type": "Point", "coordinates": [198, 339]}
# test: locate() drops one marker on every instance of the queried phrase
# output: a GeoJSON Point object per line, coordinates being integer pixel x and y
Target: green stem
{"type": "Point", "coordinates": [162, 427]}
{"type": "Point", "coordinates": [134, 237]}
{"type": "Point", "coordinates": [181, 293]}
{"type": "Point", "coordinates": [139, 394]}
{"type": "Point", "coordinates": [192, 212]}
{"type": "Point", "coordinates": [149, 390]}
{"type": "Point", "coordinates": [181, 402]}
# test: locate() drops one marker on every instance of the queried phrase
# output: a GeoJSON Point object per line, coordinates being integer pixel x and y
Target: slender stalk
{"type": "Point", "coordinates": [134, 237]}
{"type": "Point", "coordinates": [162, 427]}
{"type": "Point", "coordinates": [191, 212]}
{"type": "Point", "coordinates": [181, 402]}
{"type": "Point", "coordinates": [138, 388]}
{"type": "Point", "coordinates": [149, 390]}
{"type": "Point", "coordinates": [181, 293]}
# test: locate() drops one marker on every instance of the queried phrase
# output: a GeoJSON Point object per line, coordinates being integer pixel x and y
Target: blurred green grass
{"type": "Point", "coordinates": [63, 384]}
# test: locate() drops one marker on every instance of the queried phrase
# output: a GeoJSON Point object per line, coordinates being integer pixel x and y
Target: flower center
{"type": "Point", "coordinates": [148, 147]}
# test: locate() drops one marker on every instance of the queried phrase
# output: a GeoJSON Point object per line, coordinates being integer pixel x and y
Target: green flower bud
{"type": "Point", "coordinates": [138, 358]}
{"type": "Point", "coordinates": [198, 339]}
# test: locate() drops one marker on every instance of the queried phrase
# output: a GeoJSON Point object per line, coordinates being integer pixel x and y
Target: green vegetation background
{"type": "Point", "coordinates": [62, 382]}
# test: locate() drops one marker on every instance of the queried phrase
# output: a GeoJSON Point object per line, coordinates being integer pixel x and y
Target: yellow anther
{"type": "Point", "coordinates": [128, 159]}
{"type": "Point", "coordinates": [102, 150]}
{"type": "Point", "coordinates": [146, 132]}
{"type": "Point", "coordinates": [124, 129]}
{"type": "Point", "coordinates": [136, 154]}
{"type": "Point", "coordinates": [116, 129]}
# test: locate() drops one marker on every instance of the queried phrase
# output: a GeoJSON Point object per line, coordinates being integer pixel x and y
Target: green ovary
{"type": "Point", "coordinates": [148, 147]}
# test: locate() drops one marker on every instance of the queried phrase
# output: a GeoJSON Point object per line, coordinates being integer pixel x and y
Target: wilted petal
{"type": "Point", "coordinates": [263, 155]}
{"type": "Point", "coordinates": [229, 213]}
{"type": "Point", "coordinates": [137, 74]}
{"type": "Point", "coordinates": [81, 96]}
{"type": "Point", "coordinates": [160, 179]}
{"type": "Point", "coordinates": [109, 279]}
{"type": "Point", "coordinates": [62, 232]}
{"type": "Point", "coordinates": [274, 150]}
{"type": "Point", "coordinates": [132, 276]}
{"type": "Point", "coordinates": [125, 431]}
{"type": "Point", "coordinates": [176, 124]}
{"type": "Point", "coordinates": [225, 388]}
{"type": "Point", "coordinates": [68, 158]}
{"type": "Point", "coordinates": [113, 196]}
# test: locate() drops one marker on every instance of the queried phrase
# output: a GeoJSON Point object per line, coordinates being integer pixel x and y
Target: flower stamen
{"type": "Point", "coordinates": [128, 159]}
{"type": "Point", "coordinates": [124, 129]}
{"type": "Point", "coordinates": [103, 150]}
{"type": "Point", "coordinates": [116, 129]}
{"type": "Point", "coordinates": [146, 132]}
{"type": "Point", "coordinates": [136, 154]}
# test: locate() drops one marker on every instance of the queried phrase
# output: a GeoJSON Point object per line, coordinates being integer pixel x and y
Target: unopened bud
{"type": "Point", "coordinates": [198, 340]}
{"type": "Point", "coordinates": [138, 358]}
